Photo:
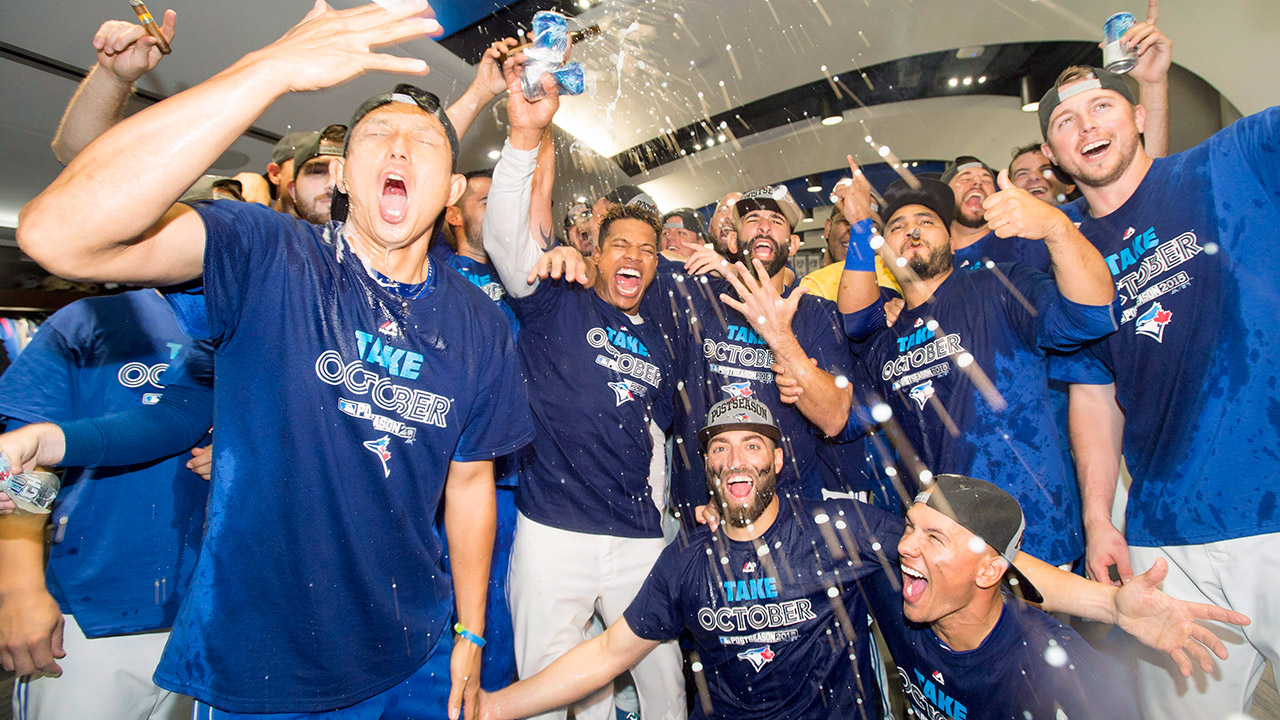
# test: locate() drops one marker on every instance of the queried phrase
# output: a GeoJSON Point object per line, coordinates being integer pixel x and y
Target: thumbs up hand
{"type": "Point", "coordinates": [1014, 212]}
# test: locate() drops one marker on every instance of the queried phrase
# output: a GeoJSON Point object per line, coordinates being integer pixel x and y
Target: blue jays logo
{"type": "Point", "coordinates": [1151, 323]}
{"type": "Point", "coordinates": [738, 389]}
{"type": "Point", "coordinates": [758, 657]}
{"type": "Point", "coordinates": [742, 417]}
{"type": "Point", "coordinates": [380, 447]}
{"type": "Point", "coordinates": [922, 393]}
{"type": "Point", "coordinates": [622, 392]}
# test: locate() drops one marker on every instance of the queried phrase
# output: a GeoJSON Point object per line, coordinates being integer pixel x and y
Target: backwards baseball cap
{"type": "Point", "coordinates": [631, 195]}
{"type": "Point", "coordinates": [962, 163]}
{"type": "Point", "coordinates": [1093, 79]}
{"type": "Point", "coordinates": [988, 512]}
{"type": "Point", "coordinates": [685, 219]}
{"type": "Point", "coordinates": [288, 145]}
{"type": "Point", "coordinates": [933, 194]}
{"type": "Point", "coordinates": [325, 143]}
{"type": "Point", "coordinates": [739, 413]}
{"type": "Point", "coordinates": [770, 197]}
{"type": "Point", "coordinates": [213, 187]}
{"type": "Point", "coordinates": [409, 95]}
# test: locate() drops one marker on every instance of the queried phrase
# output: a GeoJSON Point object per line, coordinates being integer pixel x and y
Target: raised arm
{"type": "Point", "coordinates": [1081, 273]}
{"type": "Point", "coordinates": [125, 53]}
{"type": "Point", "coordinates": [1155, 55]}
{"type": "Point", "coordinates": [859, 289]}
{"type": "Point", "coordinates": [110, 215]}
{"type": "Point", "coordinates": [507, 239]}
{"type": "Point", "coordinates": [588, 666]}
{"type": "Point", "coordinates": [487, 85]}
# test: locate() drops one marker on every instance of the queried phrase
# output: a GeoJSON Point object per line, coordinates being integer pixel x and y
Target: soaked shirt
{"type": "Point", "coordinates": [967, 378]}
{"type": "Point", "coordinates": [341, 399]}
{"type": "Point", "coordinates": [1030, 667]}
{"type": "Point", "coordinates": [779, 623]}
{"type": "Point", "coordinates": [726, 359]}
{"type": "Point", "coordinates": [597, 380]}
{"type": "Point", "coordinates": [125, 539]}
{"type": "Point", "coordinates": [1196, 362]}
{"type": "Point", "coordinates": [990, 249]}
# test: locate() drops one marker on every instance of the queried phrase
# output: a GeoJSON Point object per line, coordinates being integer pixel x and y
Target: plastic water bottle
{"type": "Point", "coordinates": [33, 492]}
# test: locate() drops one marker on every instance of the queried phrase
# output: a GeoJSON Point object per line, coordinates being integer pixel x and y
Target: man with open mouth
{"type": "Point", "coordinates": [766, 597]}
{"type": "Point", "coordinates": [369, 382]}
{"type": "Point", "coordinates": [973, 181]}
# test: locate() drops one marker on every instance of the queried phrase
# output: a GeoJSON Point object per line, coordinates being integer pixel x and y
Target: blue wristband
{"type": "Point", "coordinates": [468, 635]}
{"type": "Point", "coordinates": [860, 257]}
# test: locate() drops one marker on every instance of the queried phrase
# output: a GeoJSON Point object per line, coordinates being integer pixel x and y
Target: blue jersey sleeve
{"type": "Point", "coordinates": [655, 613]}
{"type": "Point", "coordinates": [1044, 318]}
{"type": "Point", "coordinates": [822, 337]}
{"type": "Point", "coordinates": [1255, 140]}
{"type": "Point", "coordinates": [1082, 367]}
{"type": "Point", "coordinates": [543, 301]}
{"type": "Point", "coordinates": [242, 243]}
{"type": "Point", "coordinates": [40, 384]}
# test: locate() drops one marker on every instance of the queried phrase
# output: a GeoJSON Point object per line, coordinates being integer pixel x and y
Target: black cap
{"type": "Point", "coordinates": [739, 413]}
{"type": "Point", "coordinates": [288, 145]}
{"type": "Point", "coordinates": [685, 219]}
{"type": "Point", "coordinates": [410, 95]}
{"type": "Point", "coordinates": [933, 194]}
{"type": "Point", "coordinates": [988, 512]}
{"type": "Point", "coordinates": [964, 162]}
{"type": "Point", "coordinates": [1100, 80]}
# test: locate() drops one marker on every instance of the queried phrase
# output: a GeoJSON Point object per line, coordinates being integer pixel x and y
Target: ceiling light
{"type": "Point", "coordinates": [967, 81]}
{"type": "Point", "coordinates": [1027, 91]}
{"type": "Point", "coordinates": [720, 137]}
{"type": "Point", "coordinates": [710, 142]}
{"type": "Point", "coordinates": [815, 183]}
{"type": "Point", "coordinates": [831, 114]}
{"type": "Point", "coordinates": [953, 82]}
{"type": "Point", "coordinates": [982, 79]}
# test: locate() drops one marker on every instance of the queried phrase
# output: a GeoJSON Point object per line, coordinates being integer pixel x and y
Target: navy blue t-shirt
{"type": "Point", "coordinates": [966, 375]}
{"type": "Point", "coordinates": [991, 250]}
{"type": "Point", "coordinates": [1196, 362]}
{"type": "Point", "coordinates": [341, 399]}
{"type": "Point", "coordinates": [1030, 667]}
{"type": "Point", "coordinates": [725, 359]}
{"type": "Point", "coordinates": [779, 623]}
{"type": "Point", "coordinates": [125, 538]}
{"type": "Point", "coordinates": [597, 379]}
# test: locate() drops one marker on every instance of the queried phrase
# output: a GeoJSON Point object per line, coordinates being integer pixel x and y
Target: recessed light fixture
{"type": "Point", "coordinates": [953, 82]}
{"type": "Point", "coordinates": [815, 183]}
{"type": "Point", "coordinates": [982, 79]}
{"type": "Point", "coordinates": [967, 81]}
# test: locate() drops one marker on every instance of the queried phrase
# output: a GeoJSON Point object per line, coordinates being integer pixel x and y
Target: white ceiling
{"type": "Point", "coordinates": [1234, 45]}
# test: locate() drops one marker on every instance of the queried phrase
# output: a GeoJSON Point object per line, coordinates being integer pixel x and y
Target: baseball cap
{"type": "Point", "coordinates": [739, 413]}
{"type": "Point", "coordinates": [631, 195]}
{"type": "Point", "coordinates": [988, 512]}
{"type": "Point", "coordinates": [685, 219]}
{"type": "Point", "coordinates": [770, 197]}
{"type": "Point", "coordinates": [213, 187]}
{"type": "Point", "coordinates": [965, 162]}
{"type": "Point", "coordinates": [288, 145]}
{"type": "Point", "coordinates": [1099, 79]}
{"type": "Point", "coordinates": [933, 194]}
{"type": "Point", "coordinates": [576, 211]}
{"type": "Point", "coordinates": [327, 142]}
{"type": "Point", "coordinates": [409, 95]}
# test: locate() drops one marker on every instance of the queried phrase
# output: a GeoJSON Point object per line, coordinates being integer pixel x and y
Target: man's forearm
{"type": "Point", "coordinates": [96, 107]}
{"type": "Point", "coordinates": [823, 402]}
{"type": "Point", "coordinates": [1078, 268]}
{"type": "Point", "coordinates": [1096, 428]}
{"type": "Point", "coordinates": [1069, 593]}
{"type": "Point", "coordinates": [147, 160]}
{"type": "Point", "coordinates": [1154, 97]}
{"type": "Point", "coordinates": [506, 220]}
{"type": "Point", "coordinates": [464, 111]}
{"type": "Point", "coordinates": [470, 519]}
{"type": "Point", "coordinates": [21, 552]}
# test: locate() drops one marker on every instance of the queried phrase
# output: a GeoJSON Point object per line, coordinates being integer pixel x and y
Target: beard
{"type": "Point", "coordinates": [973, 223]}
{"type": "Point", "coordinates": [938, 262]}
{"type": "Point", "coordinates": [1103, 179]}
{"type": "Point", "coordinates": [781, 253]}
{"type": "Point", "coordinates": [312, 211]}
{"type": "Point", "coordinates": [765, 483]}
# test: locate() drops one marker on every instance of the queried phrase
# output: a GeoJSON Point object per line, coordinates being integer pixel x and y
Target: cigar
{"type": "Point", "coordinates": [575, 37]}
{"type": "Point", "coordinates": [149, 23]}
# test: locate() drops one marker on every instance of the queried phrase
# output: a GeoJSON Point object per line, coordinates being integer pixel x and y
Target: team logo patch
{"type": "Point", "coordinates": [1151, 323]}
{"type": "Point", "coordinates": [937, 676]}
{"type": "Point", "coordinates": [389, 329]}
{"type": "Point", "coordinates": [742, 417]}
{"type": "Point", "coordinates": [749, 566]}
{"type": "Point", "coordinates": [381, 448]}
{"type": "Point", "coordinates": [922, 393]}
{"type": "Point", "coordinates": [758, 657]}
{"type": "Point", "coordinates": [738, 389]}
{"type": "Point", "coordinates": [621, 392]}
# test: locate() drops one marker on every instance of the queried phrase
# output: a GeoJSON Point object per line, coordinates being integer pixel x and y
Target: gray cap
{"type": "Point", "coordinates": [213, 187]}
{"type": "Point", "coordinates": [739, 413]}
{"type": "Point", "coordinates": [988, 512]}
{"type": "Point", "coordinates": [1101, 80]}
{"type": "Point", "coordinates": [289, 144]}
{"type": "Point", "coordinates": [685, 219]}
{"type": "Point", "coordinates": [770, 197]}
{"type": "Point", "coordinates": [965, 162]}
{"type": "Point", "coordinates": [315, 147]}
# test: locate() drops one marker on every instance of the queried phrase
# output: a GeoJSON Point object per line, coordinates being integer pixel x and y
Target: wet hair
{"type": "Point", "coordinates": [631, 212]}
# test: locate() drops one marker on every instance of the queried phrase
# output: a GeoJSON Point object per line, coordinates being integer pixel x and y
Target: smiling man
{"type": "Point", "coordinates": [1189, 241]}
{"type": "Point", "coordinates": [769, 598]}
{"type": "Point", "coordinates": [601, 386]}
{"type": "Point", "coordinates": [972, 240]}
{"type": "Point", "coordinates": [373, 385]}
